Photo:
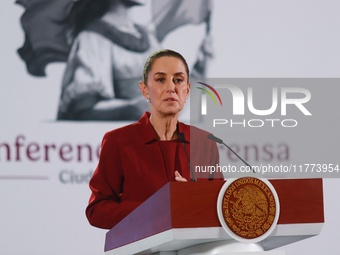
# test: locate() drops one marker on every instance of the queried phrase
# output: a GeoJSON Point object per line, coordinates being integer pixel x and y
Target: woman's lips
{"type": "Point", "coordinates": [170, 99]}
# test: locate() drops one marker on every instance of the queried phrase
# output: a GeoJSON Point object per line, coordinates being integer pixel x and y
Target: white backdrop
{"type": "Point", "coordinates": [41, 202]}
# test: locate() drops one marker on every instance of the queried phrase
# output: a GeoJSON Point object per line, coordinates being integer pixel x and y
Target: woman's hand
{"type": "Point", "coordinates": [179, 178]}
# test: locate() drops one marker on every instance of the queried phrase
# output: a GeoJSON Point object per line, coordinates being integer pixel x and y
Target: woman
{"type": "Point", "coordinates": [138, 159]}
{"type": "Point", "coordinates": [102, 73]}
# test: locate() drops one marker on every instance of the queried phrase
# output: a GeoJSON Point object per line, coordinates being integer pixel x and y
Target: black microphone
{"type": "Point", "coordinates": [182, 139]}
{"type": "Point", "coordinates": [220, 141]}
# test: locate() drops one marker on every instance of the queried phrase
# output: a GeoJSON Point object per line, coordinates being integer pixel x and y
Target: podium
{"type": "Point", "coordinates": [182, 215]}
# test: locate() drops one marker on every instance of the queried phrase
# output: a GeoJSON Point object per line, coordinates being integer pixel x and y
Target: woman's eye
{"type": "Point", "coordinates": [178, 81]}
{"type": "Point", "coordinates": [160, 79]}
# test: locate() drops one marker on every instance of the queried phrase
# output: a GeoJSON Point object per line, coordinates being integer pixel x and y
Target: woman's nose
{"type": "Point", "coordinates": [170, 86]}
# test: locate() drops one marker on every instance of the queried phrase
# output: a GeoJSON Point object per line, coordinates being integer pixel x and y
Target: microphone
{"type": "Point", "coordinates": [220, 141]}
{"type": "Point", "coordinates": [182, 139]}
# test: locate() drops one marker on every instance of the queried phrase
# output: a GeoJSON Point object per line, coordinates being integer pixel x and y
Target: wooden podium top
{"type": "Point", "coordinates": [182, 214]}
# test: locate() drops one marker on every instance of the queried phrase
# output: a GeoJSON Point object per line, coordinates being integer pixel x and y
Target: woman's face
{"type": "Point", "coordinates": [167, 86]}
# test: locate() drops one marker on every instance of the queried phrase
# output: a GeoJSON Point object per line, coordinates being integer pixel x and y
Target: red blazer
{"type": "Point", "coordinates": [131, 168]}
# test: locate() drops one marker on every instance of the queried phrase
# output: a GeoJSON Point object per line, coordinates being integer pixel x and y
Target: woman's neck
{"type": "Point", "coordinates": [165, 126]}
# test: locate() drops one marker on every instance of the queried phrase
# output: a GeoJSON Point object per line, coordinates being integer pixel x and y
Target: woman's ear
{"type": "Point", "coordinates": [144, 89]}
{"type": "Point", "coordinates": [188, 89]}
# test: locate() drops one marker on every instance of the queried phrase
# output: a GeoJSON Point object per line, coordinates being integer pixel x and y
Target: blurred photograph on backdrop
{"type": "Point", "coordinates": [104, 50]}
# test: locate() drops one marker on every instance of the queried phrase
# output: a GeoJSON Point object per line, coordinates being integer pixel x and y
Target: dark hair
{"type": "Point", "coordinates": [83, 12]}
{"type": "Point", "coordinates": [162, 53]}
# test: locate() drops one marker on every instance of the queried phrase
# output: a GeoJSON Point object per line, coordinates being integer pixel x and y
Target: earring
{"type": "Point", "coordinates": [148, 99]}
